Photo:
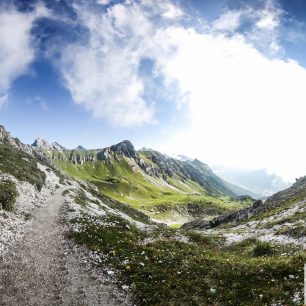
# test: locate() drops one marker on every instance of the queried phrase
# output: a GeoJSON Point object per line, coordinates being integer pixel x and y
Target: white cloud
{"type": "Point", "coordinates": [16, 50]}
{"type": "Point", "coordinates": [103, 75]}
{"type": "Point", "coordinates": [171, 11]}
{"type": "Point", "coordinates": [270, 16]}
{"type": "Point", "coordinates": [262, 25]}
{"type": "Point", "coordinates": [3, 99]}
{"type": "Point", "coordinates": [245, 109]}
{"type": "Point", "coordinates": [104, 2]}
{"type": "Point", "coordinates": [228, 21]}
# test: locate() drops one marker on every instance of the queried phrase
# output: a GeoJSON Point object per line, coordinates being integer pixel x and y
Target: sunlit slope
{"type": "Point", "coordinates": [164, 187]}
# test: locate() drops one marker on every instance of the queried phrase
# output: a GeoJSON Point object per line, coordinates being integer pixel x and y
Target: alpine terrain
{"type": "Point", "coordinates": [116, 226]}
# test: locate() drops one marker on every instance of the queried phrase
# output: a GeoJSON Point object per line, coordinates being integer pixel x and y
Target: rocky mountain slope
{"type": "Point", "coordinates": [81, 247]}
{"type": "Point", "coordinates": [281, 218]}
{"type": "Point", "coordinates": [151, 162]}
{"type": "Point", "coordinates": [150, 181]}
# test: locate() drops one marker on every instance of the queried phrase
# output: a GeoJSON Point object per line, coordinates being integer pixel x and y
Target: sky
{"type": "Point", "coordinates": [223, 80]}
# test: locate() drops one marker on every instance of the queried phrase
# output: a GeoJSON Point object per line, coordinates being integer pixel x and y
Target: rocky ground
{"type": "Point", "coordinates": [38, 264]}
{"type": "Point", "coordinates": [13, 224]}
{"type": "Point", "coordinates": [269, 228]}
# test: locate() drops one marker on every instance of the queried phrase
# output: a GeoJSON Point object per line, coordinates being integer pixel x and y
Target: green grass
{"type": "Point", "coordinates": [297, 216]}
{"type": "Point", "coordinates": [117, 180]}
{"type": "Point", "coordinates": [202, 272]}
{"type": "Point", "coordinates": [80, 198]}
{"type": "Point", "coordinates": [295, 231]}
{"type": "Point", "coordinates": [8, 195]}
{"type": "Point", "coordinates": [287, 203]}
{"type": "Point", "coordinates": [21, 165]}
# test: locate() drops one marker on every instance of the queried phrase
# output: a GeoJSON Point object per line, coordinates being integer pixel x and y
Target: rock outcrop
{"type": "Point", "coordinates": [41, 143]}
{"type": "Point", "coordinates": [6, 138]}
{"type": "Point", "coordinates": [296, 192]}
{"type": "Point", "coordinates": [125, 148]}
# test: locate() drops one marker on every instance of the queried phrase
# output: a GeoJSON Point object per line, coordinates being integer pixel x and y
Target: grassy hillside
{"type": "Point", "coordinates": [174, 267]}
{"type": "Point", "coordinates": [167, 199]}
{"type": "Point", "coordinates": [20, 165]}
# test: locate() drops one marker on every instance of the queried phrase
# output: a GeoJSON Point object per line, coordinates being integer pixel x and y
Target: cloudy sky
{"type": "Point", "coordinates": [222, 80]}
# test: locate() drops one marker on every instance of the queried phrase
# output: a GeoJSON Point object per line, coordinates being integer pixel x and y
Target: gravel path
{"type": "Point", "coordinates": [42, 270]}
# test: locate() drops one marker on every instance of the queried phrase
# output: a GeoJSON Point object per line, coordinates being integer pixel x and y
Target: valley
{"type": "Point", "coordinates": [166, 189]}
{"type": "Point", "coordinates": [116, 226]}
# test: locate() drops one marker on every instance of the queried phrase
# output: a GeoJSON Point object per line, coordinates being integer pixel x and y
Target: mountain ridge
{"type": "Point", "coordinates": [159, 164]}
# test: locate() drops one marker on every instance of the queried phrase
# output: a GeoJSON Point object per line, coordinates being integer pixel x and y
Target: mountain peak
{"type": "Point", "coordinates": [80, 147]}
{"type": "Point", "coordinates": [125, 147]}
{"type": "Point", "coordinates": [41, 143]}
{"type": "Point", "coordinates": [5, 135]}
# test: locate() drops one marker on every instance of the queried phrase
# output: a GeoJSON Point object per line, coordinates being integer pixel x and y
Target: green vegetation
{"type": "Point", "coordinates": [286, 203]}
{"type": "Point", "coordinates": [263, 248]}
{"type": "Point", "coordinates": [297, 216]}
{"type": "Point", "coordinates": [125, 208]}
{"type": "Point", "coordinates": [8, 195]}
{"type": "Point", "coordinates": [80, 198]}
{"type": "Point", "coordinates": [296, 231]}
{"type": "Point", "coordinates": [20, 165]}
{"type": "Point", "coordinates": [117, 179]}
{"type": "Point", "coordinates": [167, 271]}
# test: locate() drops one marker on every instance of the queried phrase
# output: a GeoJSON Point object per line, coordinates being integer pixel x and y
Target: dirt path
{"type": "Point", "coordinates": [40, 269]}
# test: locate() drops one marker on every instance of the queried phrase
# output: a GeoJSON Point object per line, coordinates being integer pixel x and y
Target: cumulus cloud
{"type": "Point", "coordinates": [244, 107]}
{"type": "Point", "coordinates": [16, 49]}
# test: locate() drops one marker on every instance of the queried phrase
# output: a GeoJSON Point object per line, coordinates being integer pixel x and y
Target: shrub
{"type": "Point", "coordinates": [263, 248]}
{"type": "Point", "coordinates": [8, 195]}
{"type": "Point", "coordinates": [80, 198]}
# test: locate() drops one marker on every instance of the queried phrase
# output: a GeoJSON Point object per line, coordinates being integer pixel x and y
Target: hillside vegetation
{"type": "Point", "coordinates": [252, 256]}
{"type": "Point", "coordinates": [163, 187]}
{"type": "Point", "coordinates": [176, 267]}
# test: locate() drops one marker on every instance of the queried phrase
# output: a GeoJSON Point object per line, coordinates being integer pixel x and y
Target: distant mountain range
{"type": "Point", "coordinates": [109, 166]}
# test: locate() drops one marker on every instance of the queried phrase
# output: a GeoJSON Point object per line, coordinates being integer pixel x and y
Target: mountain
{"type": "Point", "coordinates": [120, 253]}
{"type": "Point", "coordinates": [151, 181]}
{"type": "Point", "coordinates": [283, 214]}
{"type": "Point", "coordinates": [41, 143]}
{"type": "Point", "coordinates": [79, 147]}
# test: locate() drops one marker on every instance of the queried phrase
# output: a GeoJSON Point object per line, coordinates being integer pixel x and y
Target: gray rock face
{"type": "Point", "coordinates": [125, 148]}
{"type": "Point", "coordinates": [41, 143]}
{"type": "Point", "coordinates": [295, 192]}
{"type": "Point", "coordinates": [58, 147]}
{"type": "Point", "coordinates": [6, 138]}
{"type": "Point", "coordinates": [198, 224]}
{"type": "Point", "coordinates": [234, 217]}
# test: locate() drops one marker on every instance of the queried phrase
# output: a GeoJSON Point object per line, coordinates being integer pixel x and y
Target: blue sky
{"type": "Point", "coordinates": [219, 80]}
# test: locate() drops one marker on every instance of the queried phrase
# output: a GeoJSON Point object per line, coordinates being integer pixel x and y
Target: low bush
{"type": "Point", "coordinates": [263, 248]}
{"type": "Point", "coordinates": [8, 195]}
